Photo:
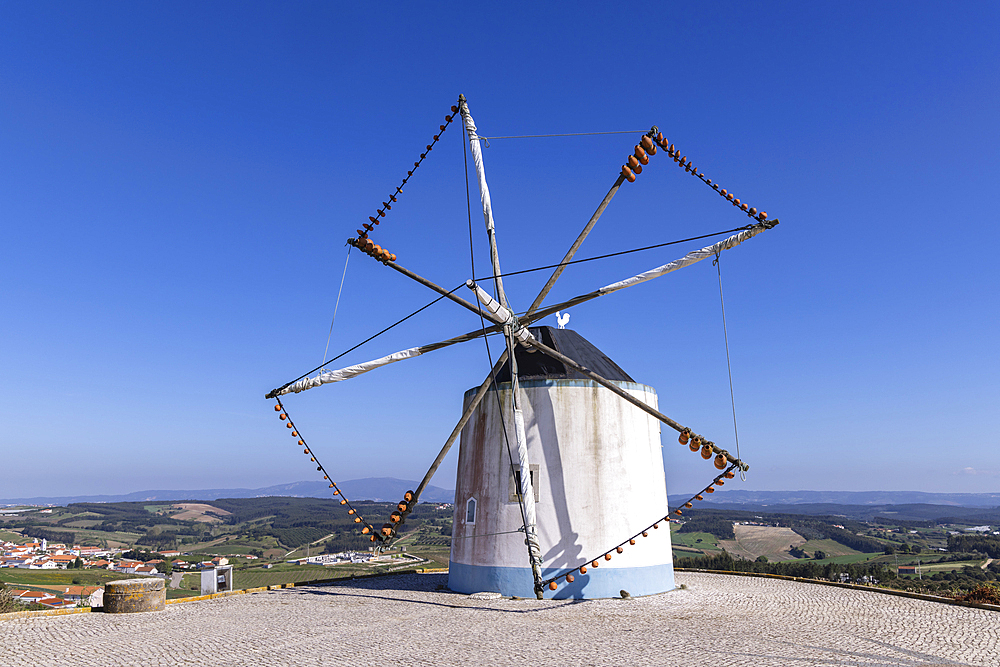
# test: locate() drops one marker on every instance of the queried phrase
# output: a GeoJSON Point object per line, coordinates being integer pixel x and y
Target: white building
{"type": "Point", "coordinates": [597, 474]}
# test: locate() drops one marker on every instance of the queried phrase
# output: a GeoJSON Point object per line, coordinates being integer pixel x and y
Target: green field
{"type": "Point", "coordinates": [696, 540]}
{"type": "Point", "coordinates": [931, 568]}
{"type": "Point", "coordinates": [19, 577]}
{"type": "Point", "coordinates": [87, 537]}
{"type": "Point", "coordinates": [8, 536]}
{"type": "Point", "coordinates": [256, 577]}
{"type": "Point", "coordinates": [853, 558]}
{"type": "Point", "coordinates": [287, 573]}
{"type": "Point", "coordinates": [438, 556]}
{"type": "Point", "coordinates": [174, 593]}
{"type": "Point", "coordinates": [829, 547]}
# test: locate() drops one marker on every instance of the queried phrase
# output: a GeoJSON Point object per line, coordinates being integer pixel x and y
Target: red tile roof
{"type": "Point", "coordinates": [35, 595]}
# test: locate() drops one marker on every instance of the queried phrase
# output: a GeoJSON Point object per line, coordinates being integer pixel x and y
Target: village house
{"type": "Point", "coordinates": [63, 560]}
{"type": "Point", "coordinates": [126, 566]}
{"type": "Point", "coordinates": [43, 564]}
{"type": "Point", "coordinates": [29, 596]}
{"type": "Point", "coordinates": [79, 593]}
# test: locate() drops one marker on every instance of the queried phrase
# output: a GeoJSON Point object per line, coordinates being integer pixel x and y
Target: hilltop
{"type": "Point", "coordinates": [377, 489]}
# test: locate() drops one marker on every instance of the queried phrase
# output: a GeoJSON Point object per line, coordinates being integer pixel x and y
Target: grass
{"type": "Point", "coordinates": [930, 568]}
{"type": "Point", "coordinates": [19, 577]}
{"type": "Point", "coordinates": [696, 540]}
{"type": "Point", "coordinates": [856, 557]}
{"type": "Point", "coordinates": [831, 548]}
{"type": "Point", "coordinates": [438, 556]}
{"type": "Point", "coordinates": [86, 537]}
{"type": "Point", "coordinates": [153, 509]}
{"type": "Point", "coordinates": [283, 574]}
{"type": "Point", "coordinates": [174, 593]}
{"type": "Point", "coordinates": [255, 578]}
{"type": "Point", "coordinates": [241, 547]}
{"type": "Point", "coordinates": [767, 541]}
{"type": "Point", "coordinates": [8, 536]}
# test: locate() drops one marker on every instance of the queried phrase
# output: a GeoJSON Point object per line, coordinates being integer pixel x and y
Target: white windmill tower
{"type": "Point", "coordinates": [560, 468]}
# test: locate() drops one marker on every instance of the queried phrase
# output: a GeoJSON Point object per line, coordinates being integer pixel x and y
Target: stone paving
{"type": "Point", "coordinates": [717, 620]}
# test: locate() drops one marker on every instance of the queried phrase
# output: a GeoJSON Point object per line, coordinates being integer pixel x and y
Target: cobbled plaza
{"type": "Point", "coordinates": [716, 620]}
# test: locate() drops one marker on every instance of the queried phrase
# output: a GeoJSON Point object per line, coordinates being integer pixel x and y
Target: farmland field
{"type": "Point", "coordinates": [287, 574]}
{"type": "Point", "coordinates": [199, 512]}
{"type": "Point", "coordinates": [437, 555]}
{"type": "Point", "coordinates": [829, 547]}
{"type": "Point", "coordinates": [767, 541]}
{"type": "Point", "coordinates": [696, 541]}
{"type": "Point", "coordinates": [855, 558]}
{"type": "Point", "coordinates": [930, 568]}
{"type": "Point", "coordinates": [86, 537]}
{"type": "Point", "coordinates": [20, 577]}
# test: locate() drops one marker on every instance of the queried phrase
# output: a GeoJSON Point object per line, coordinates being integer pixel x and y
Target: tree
{"type": "Point", "coordinates": [7, 602]}
{"type": "Point", "coordinates": [889, 550]}
{"type": "Point", "coordinates": [761, 559]}
{"type": "Point", "coordinates": [78, 563]}
{"type": "Point", "coordinates": [819, 554]}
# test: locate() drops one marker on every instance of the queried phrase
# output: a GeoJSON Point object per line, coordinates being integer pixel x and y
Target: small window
{"type": "Point", "coordinates": [515, 482]}
{"type": "Point", "coordinates": [470, 511]}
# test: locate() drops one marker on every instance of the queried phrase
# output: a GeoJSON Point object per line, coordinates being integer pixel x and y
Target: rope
{"type": "Point", "coordinates": [621, 252]}
{"type": "Point", "coordinates": [380, 213]}
{"type": "Point", "coordinates": [569, 134]}
{"type": "Point", "coordinates": [273, 393]}
{"type": "Point", "coordinates": [512, 273]}
{"type": "Point", "coordinates": [644, 532]}
{"type": "Point", "coordinates": [686, 165]}
{"type": "Point", "coordinates": [336, 305]}
{"type": "Point", "coordinates": [732, 394]}
{"type": "Point", "coordinates": [319, 466]}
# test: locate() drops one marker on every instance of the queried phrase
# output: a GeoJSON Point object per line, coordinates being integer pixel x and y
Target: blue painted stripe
{"type": "Point", "coordinates": [597, 583]}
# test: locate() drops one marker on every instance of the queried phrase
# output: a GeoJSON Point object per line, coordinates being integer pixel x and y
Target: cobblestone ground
{"type": "Point", "coordinates": [717, 620]}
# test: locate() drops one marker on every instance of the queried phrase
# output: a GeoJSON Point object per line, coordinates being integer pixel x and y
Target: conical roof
{"type": "Point", "coordinates": [536, 365]}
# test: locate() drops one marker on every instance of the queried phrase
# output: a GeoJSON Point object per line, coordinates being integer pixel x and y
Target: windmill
{"type": "Point", "coordinates": [559, 454]}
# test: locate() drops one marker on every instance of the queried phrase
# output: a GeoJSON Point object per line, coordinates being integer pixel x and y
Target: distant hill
{"type": "Point", "coordinates": [390, 489]}
{"type": "Point", "coordinates": [380, 489]}
{"type": "Point", "coordinates": [768, 499]}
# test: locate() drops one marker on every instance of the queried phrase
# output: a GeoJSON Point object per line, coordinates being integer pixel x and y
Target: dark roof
{"type": "Point", "coordinates": [574, 346]}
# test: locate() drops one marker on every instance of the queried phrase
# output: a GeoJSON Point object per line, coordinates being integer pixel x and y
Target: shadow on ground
{"type": "Point", "coordinates": [400, 588]}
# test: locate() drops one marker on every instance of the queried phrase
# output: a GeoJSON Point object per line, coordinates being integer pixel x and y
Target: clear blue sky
{"type": "Point", "coordinates": [177, 182]}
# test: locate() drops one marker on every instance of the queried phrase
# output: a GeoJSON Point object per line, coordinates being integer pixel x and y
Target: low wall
{"type": "Point", "coordinates": [857, 587]}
